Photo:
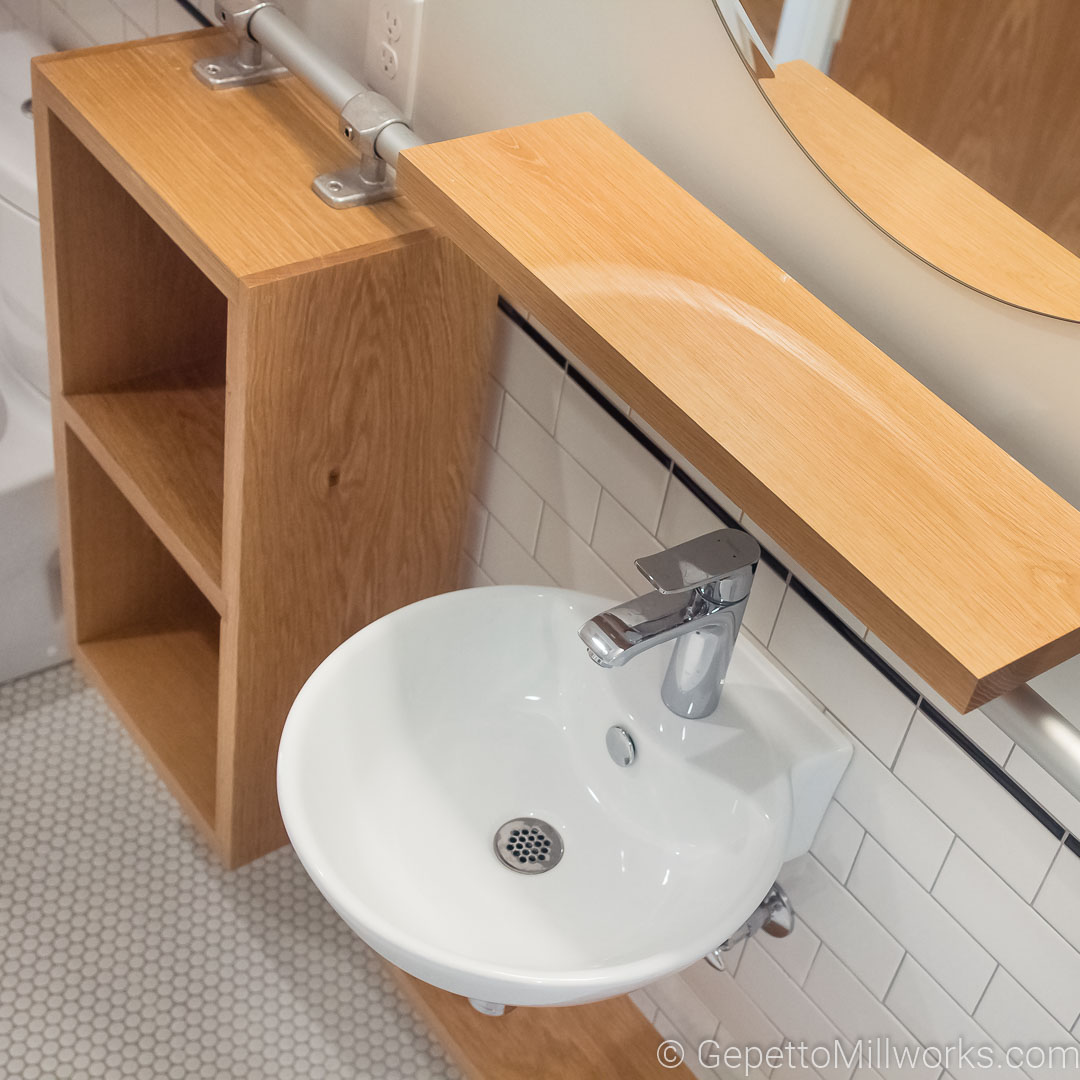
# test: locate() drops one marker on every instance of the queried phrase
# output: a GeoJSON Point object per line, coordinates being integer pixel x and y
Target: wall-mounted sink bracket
{"type": "Point", "coordinates": [363, 115]}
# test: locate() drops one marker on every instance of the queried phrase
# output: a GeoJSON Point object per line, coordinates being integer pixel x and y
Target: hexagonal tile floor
{"type": "Point", "coordinates": [126, 951]}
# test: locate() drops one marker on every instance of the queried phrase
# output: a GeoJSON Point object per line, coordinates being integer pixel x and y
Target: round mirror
{"type": "Point", "coordinates": [953, 125]}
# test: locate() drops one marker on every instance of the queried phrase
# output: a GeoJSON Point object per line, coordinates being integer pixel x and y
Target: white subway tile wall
{"type": "Point", "coordinates": [915, 836]}
{"type": "Point", "coordinates": [73, 24]}
{"type": "Point", "coordinates": [863, 699]}
{"type": "Point", "coordinates": [920, 924]}
{"type": "Point", "coordinates": [978, 810]}
{"type": "Point", "coordinates": [838, 841]}
{"type": "Point", "coordinates": [933, 905]}
{"type": "Point", "coordinates": [1059, 898]}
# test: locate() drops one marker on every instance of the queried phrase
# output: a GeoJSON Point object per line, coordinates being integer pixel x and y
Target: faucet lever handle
{"type": "Point", "coordinates": [701, 561]}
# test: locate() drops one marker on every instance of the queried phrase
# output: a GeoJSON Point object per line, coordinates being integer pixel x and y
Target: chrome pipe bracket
{"type": "Point", "coordinates": [363, 117]}
{"type": "Point", "coordinates": [361, 120]}
{"type": "Point", "coordinates": [250, 64]}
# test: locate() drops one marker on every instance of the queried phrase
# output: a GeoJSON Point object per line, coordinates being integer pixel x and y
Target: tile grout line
{"type": "Point", "coordinates": [891, 766]}
{"type": "Point", "coordinates": [1049, 869]}
{"type": "Point", "coordinates": [932, 812]}
{"type": "Point", "coordinates": [858, 852]}
{"type": "Point", "coordinates": [483, 532]}
{"type": "Point", "coordinates": [889, 989]}
{"type": "Point", "coordinates": [779, 608]}
{"type": "Point", "coordinates": [933, 884]}
{"type": "Point", "coordinates": [997, 968]}
{"type": "Point", "coordinates": [1035, 913]}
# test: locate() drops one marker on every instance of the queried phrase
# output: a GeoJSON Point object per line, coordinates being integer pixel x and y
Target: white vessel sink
{"type": "Point", "coordinates": [424, 733]}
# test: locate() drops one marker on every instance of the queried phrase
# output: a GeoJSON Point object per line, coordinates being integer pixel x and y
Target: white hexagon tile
{"type": "Point", "coordinates": [125, 951]}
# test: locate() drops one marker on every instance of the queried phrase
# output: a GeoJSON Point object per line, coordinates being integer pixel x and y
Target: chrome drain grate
{"type": "Point", "coordinates": [529, 845]}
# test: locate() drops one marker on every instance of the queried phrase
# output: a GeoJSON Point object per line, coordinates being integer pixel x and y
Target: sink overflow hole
{"type": "Point", "coordinates": [528, 845]}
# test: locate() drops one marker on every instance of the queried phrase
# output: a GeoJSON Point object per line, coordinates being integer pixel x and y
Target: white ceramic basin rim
{"type": "Point", "coordinates": [423, 733]}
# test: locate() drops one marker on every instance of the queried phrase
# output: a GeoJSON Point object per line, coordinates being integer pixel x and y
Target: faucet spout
{"type": "Point", "coordinates": [702, 590]}
{"type": "Point", "coordinates": [616, 636]}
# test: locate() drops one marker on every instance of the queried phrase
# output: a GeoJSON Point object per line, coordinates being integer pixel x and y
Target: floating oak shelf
{"type": "Point", "coordinates": [265, 410]}
{"type": "Point", "coordinates": [930, 207]}
{"type": "Point", "coordinates": [952, 552]}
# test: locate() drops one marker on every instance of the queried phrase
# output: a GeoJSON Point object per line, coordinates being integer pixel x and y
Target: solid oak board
{"type": "Point", "coordinates": [990, 87]}
{"type": "Point", "coordinates": [350, 441]}
{"type": "Point", "coordinates": [952, 552]}
{"type": "Point", "coordinates": [607, 1039]}
{"type": "Point", "coordinates": [930, 207]}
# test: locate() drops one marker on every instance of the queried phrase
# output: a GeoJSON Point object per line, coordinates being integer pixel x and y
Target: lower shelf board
{"type": "Point", "coordinates": [578, 1042]}
{"type": "Point", "coordinates": [163, 684]}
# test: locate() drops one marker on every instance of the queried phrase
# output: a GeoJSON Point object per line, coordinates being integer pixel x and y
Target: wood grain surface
{"type": "Point", "coordinates": [902, 509]}
{"type": "Point", "coordinates": [292, 427]}
{"type": "Point", "coordinates": [129, 302]}
{"type": "Point", "coordinates": [227, 174]}
{"type": "Point", "coordinates": [606, 1040]}
{"type": "Point", "coordinates": [992, 88]}
{"type": "Point", "coordinates": [917, 197]}
{"type": "Point", "coordinates": [351, 430]}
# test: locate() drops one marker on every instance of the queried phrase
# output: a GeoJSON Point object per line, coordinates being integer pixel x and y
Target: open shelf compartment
{"type": "Point", "coordinates": [146, 635]}
{"type": "Point", "coordinates": [142, 372]}
{"type": "Point", "coordinates": [161, 439]}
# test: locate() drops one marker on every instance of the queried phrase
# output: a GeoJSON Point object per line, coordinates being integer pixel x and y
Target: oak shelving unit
{"type": "Point", "coordinates": [265, 409]}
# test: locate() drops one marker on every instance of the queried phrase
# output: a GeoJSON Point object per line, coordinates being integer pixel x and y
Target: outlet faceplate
{"type": "Point", "coordinates": [392, 51]}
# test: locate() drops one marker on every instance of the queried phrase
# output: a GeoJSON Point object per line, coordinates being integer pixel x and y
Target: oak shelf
{"type": "Point", "coordinates": [893, 179]}
{"type": "Point", "coordinates": [161, 439]}
{"type": "Point", "coordinates": [265, 410]}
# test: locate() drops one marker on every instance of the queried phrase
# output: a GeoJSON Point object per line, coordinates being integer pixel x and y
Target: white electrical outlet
{"type": "Point", "coordinates": [393, 50]}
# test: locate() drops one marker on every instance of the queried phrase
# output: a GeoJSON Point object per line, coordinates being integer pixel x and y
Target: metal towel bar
{"type": "Point", "coordinates": [1041, 732]}
{"type": "Point", "coordinates": [370, 122]}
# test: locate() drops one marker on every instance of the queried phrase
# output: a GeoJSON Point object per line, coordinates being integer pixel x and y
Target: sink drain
{"type": "Point", "coordinates": [528, 845]}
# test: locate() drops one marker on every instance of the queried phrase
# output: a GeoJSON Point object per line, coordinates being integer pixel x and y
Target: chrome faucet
{"type": "Point", "coordinates": [701, 591]}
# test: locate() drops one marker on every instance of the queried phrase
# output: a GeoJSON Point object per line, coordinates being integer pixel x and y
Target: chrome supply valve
{"type": "Point", "coordinates": [774, 915]}
{"type": "Point", "coordinates": [249, 64]}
